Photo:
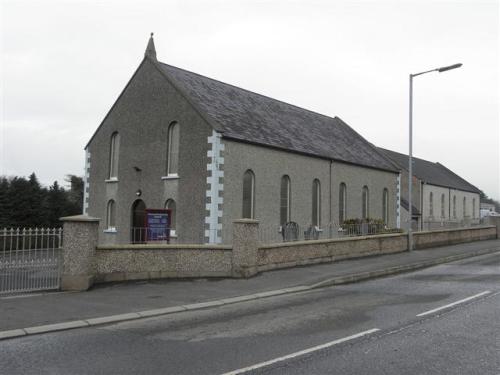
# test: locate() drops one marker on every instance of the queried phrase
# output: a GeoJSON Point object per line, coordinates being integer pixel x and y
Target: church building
{"type": "Point", "coordinates": [212, 153]}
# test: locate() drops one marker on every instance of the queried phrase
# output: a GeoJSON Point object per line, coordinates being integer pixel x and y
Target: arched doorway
{"type": "Point", "coordinates": [138, 228]}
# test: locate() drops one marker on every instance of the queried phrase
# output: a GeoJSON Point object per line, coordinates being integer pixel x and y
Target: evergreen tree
{"type": "Point", "coordinates": [56, 205]}
{"type": "Point", "coordinates": [5, 208]}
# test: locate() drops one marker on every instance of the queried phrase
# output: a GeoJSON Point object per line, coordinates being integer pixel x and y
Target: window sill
{"type": "Point", "coordinates": [113, 179]}
{"type": "Point", "coordinates": [110, 230]}
{"type": "Point", "coordinates": [170, 177]}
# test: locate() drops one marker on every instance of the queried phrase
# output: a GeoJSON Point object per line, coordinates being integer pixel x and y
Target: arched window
{"type": "Point", "coordinates": [465, 207]}
{"type": "Point", "coordinates": [342, 203]}
{"type": "Point", "coordinates": [473, 208]}
{"type": "Point", "coordinates": [316, 203]}
{"type": "Point", "coordinates": [285, 200]}
{"type": "Point", "coordinates": [365, 202]}
{"type": "Point", "coordinates": [385, 206]}
{"type": "Point", "coordinates": [431, 204]}
{"type": "Point", "coordinates": [442, 205]}
{"type": "Point", "coordinates": [248, 195]}
{"type": "Point", "coordinates": [111, 215]}
{"type": "Point", "coordinates": [170, 205]}
{"type": "Point", "coordinates": [173, 149]}
{"type": "Point", "coordinates": [455, 206]}
{"type": "Point", "coordinates": [113, 155]}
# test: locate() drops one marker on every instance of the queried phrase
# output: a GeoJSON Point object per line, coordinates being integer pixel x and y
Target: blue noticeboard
{"type": "Point", "coordinates": [158, 225]}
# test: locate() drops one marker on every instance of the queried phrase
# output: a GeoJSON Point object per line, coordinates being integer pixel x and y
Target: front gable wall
{"type": "Point", "coordinates": [141, 116]}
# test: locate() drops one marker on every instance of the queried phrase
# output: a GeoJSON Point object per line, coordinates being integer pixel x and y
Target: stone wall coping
{"type": "Point", "coordinates": [80, 218]}
{"type": "Point", "coordinates": [164, 247]}
{"type": "Point", "coordinates": [246, 221]}
{"type": "Point", "coordinates": [452, 230]}
{"type": "Point", "coordinates": [331, 240]}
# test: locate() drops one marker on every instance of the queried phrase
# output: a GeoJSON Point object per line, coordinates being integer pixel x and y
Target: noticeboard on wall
{"type": "Point", "coordinates": [158, 224]}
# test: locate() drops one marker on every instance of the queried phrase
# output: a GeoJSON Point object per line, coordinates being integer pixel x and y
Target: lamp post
{"type": "Point", "coordinates": [410, 164]}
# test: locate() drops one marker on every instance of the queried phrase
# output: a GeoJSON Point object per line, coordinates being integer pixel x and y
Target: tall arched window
{"type": "Point", "coordinates": [385, 206]}
{"type": "Point", "coordinates": [173, 149]}
{"type": "Point", "coordinates": [473, 208]}
{"type": "Point", "coordinates": [431, 204]}
{"type": "Point", "coordinates": [316, 203]}
{"type": "Point", "coordinates": [248, 195]}
{"type": "Point", "coordinates": [365, 203]}
{"type": "Point", "coordinates": [342, 203]}
{"type": "Point", "coordinates": [455, 206]}
{"type": "Point", "coordinates": [442, 205]}
{"type": "Point", "coordinates": [464, 207]}
{"type": "Point", "coordinates": [111, 215]}
{"type": "Point", "coordinates": [113, 155]}
{"type": "Point", "coordinates": [170, 205]}
{"type": "Point", "coordinates": [285, 200]}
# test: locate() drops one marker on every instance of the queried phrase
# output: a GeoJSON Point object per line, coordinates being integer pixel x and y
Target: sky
{"type": "Point", "coordinates": [64, 63]}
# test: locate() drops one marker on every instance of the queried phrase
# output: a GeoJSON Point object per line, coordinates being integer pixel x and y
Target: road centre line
{"type": "Point", "coordinates": [300, 353]}
{"type": "Point", "coordinates": [454, 303]}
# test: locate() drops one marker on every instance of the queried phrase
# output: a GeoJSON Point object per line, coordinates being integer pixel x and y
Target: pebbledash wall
{"type": "Point", "coordinates": [85, 263]}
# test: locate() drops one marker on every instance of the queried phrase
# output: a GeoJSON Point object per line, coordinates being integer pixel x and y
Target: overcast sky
{"type": "Point", "coordinates": [65, 62]}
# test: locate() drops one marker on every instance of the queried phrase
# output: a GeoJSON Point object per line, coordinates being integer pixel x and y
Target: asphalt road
{"type": "Point", "coordinates": [461, 339]}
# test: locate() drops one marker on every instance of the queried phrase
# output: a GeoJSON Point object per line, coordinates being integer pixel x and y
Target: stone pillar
{"type": "Point", "coordinates": [79, 245]}
{"type": "Point", "coordinates": [495, 220]}
{"type": "Point", "coordinates": [245, 247]}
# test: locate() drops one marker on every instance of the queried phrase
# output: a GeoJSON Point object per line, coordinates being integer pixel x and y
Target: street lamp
{"type": "Point", "coordinates": [410, 166]}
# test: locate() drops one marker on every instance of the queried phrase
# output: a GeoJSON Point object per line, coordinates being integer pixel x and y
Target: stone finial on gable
{"type": "Point", "coordinates": [150, 49]}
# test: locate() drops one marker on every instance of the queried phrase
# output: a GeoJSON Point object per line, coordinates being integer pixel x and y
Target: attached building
{"type": "Point", "coordinates": [214, 153]}
{"type": "Point", "coordinates": [440, 197]}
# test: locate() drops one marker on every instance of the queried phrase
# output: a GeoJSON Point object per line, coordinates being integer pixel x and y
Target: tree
{"type": "Point", "coordinates": [75, 194]}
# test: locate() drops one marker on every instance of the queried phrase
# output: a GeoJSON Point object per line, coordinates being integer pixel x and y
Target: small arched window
{"type": "Point", "coordinates": [365, 202]}
{"type": "Point", "coordinates": [170, 205]}
{"type": "Point", "coordinates": [173, 149]}
{"type": "Point", "coordinates": [454, 206]}
{"type": "Point", "coordinates": [111, 215]}
{"type": "Point", "coordinates": [465, 207]}
{"type": "Point", "coordinates": [113, 155]}
{"type": "Point", "coordinates": [385, 206]}
{"type": "Point", "coordinates": [285, 200]}
{"type": "Point", "coordinates": [442, 205]}
{"type": "Point", "coordinates": [248, 195]}
{"type": "Point", "coordinates": [431, 204]}
{"type": "Point", "coordinates": [342, 203]}
{"type": "Point", "coordinates": [316, 203]}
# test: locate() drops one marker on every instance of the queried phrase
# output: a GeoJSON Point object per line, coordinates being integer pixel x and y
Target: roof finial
{"type": "Point", "coordinates": [150, 49]}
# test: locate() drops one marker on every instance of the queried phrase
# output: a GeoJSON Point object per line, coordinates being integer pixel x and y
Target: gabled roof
{"type": "Point", "coordinates": [431, 173]}
{"type": "Point", "coordinates": [414, 210]}
{"type": "Point", "coordinates": [253, 118]}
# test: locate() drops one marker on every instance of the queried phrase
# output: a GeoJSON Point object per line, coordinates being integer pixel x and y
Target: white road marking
{"type": "Point", "coordinates": [300, 353]}
{"type": "Point", "coordinates": [455, 303]}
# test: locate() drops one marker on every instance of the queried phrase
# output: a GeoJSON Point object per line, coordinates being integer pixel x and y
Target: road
{"type": "Point", "coordinates": [383, 326]}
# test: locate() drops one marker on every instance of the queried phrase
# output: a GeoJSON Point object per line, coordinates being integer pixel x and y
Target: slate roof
{"type": "Point", "coordinates": [253, 118]}
{"type": "Point", "coordinates": [431, 173]}
{"type": "Point", "coordinates": [404, 204]}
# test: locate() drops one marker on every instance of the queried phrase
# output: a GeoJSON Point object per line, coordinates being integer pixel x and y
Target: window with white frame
{"type": "Point", "coordinates": [285, 200]}
{"type": "Point", "coordinates": [473, 208]}
{"type": "Point", "coordinates": [316, 204]}
{"type": "Point", "coordinates": [465, 207]}
{"type": "Point", "coordinates": [455, 206]}
{"type": "Point", "coordinates": [173, 149]}
{"type": "Point", "coordinates": [113, 156]}
{"type": "Point", "coordinates": [111, 215]}
{"type": "Point", "coordinates": [431, 204]}
{"type": "Point", "coordinates": [342, 202]}
{"type": "Point", "coordinates": [365, 203]}
{"type": "Point", "coordinates": [248, 195]}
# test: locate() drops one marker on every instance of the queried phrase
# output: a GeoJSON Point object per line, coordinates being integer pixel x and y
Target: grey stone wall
{"type": "Point", "coordinates": [269, 165]}
{"type": "Point", "coordinates": [134, 262]}
{"type": "Point", "coordinates": [423, 240]}
{"type": "Point", "coordinates": [141, 116]}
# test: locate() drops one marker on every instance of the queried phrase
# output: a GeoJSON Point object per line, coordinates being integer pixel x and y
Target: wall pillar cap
{"type": "Point", "coordinates": [80, 218]}
{"type": "Point", "coordinates": [246, 221]}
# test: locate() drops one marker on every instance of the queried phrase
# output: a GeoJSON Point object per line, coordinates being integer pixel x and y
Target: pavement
{"type": "Point", "coordinates": [23, 315]}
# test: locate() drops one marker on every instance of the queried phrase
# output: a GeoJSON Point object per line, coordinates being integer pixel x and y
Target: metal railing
{"type": "Point", "coordinates": [450, 224]}
{"type": "Point", "coordinates": [287, 233]}
{"type": "Point", "coordinates": [30, 259]}
{"type": "Point", "coordinates": [143, 235]}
